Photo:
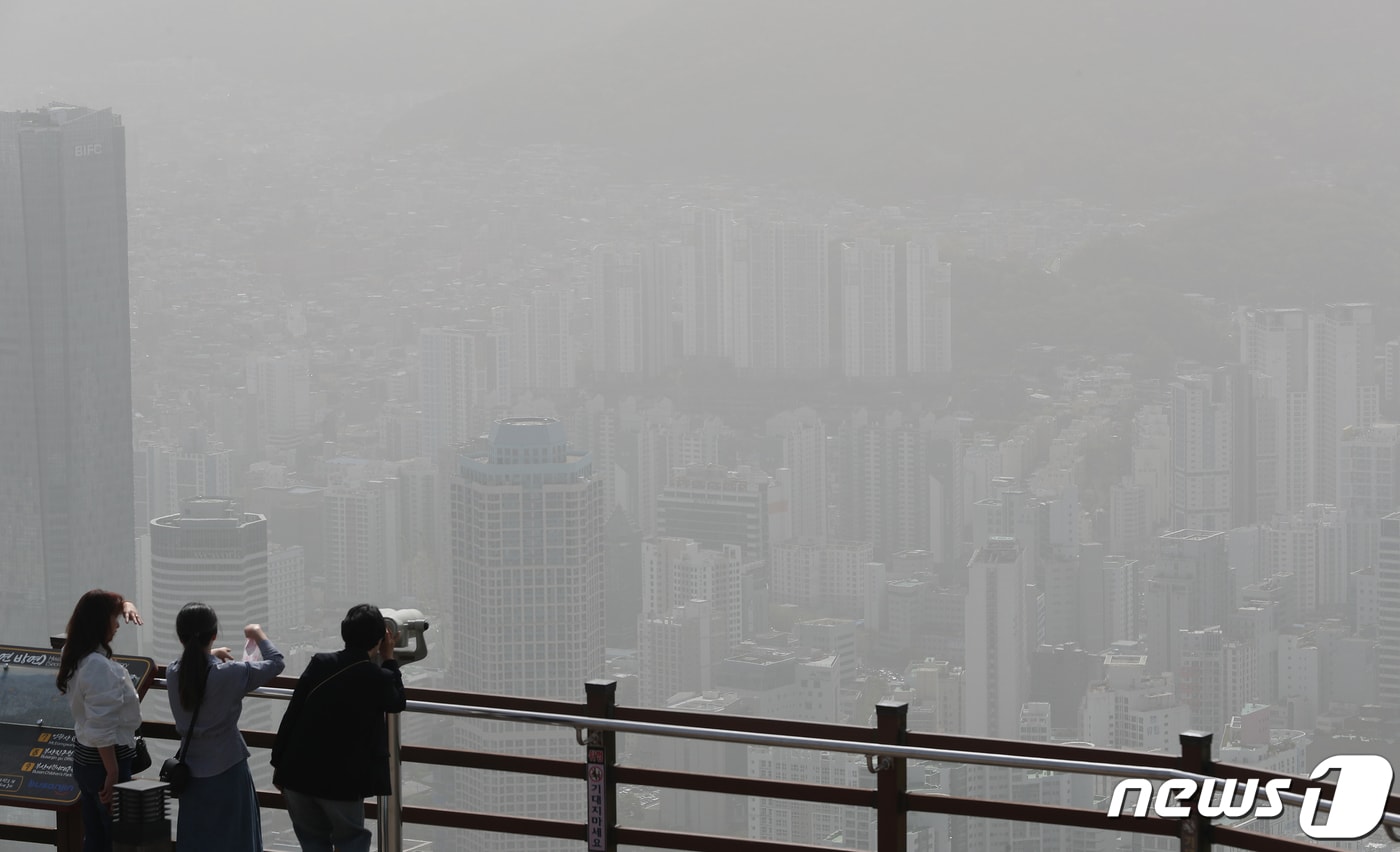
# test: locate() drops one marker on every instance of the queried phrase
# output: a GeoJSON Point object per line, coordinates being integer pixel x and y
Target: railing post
{"type": "Point", "coordinates": [602, 782]}
{"type": "Point", "coordinates": [391, 806]}
{"type": "Point", "coordinates": [1195, 757]}
{"type": "Point", "coordinates": [892, 778]}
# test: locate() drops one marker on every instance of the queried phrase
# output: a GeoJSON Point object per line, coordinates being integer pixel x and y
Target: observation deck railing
{"type": "Point", "coordinates": [888, 747]}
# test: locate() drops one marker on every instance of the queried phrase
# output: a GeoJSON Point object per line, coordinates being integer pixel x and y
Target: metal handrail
{"type": "Point", "coordinates": [869, 749]}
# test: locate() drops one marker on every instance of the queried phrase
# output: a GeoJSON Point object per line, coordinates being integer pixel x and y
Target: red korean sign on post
{"type": "Point", "coordinates": [597, 807]}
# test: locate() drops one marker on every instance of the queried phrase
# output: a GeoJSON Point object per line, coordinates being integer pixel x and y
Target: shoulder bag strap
{"type": "Point", "coordinates": [338, 672]}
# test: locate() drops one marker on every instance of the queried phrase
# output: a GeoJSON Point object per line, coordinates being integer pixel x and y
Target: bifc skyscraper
{"type": "Point", "coordinates": [66, 495]}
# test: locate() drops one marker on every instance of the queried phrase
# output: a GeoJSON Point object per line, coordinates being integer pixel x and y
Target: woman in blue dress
{"type": "Point", "coordinates": [219, 808]}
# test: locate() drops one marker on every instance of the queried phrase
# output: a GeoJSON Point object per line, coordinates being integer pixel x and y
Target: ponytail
{"type": "Point", "coordinates": [196, 625]}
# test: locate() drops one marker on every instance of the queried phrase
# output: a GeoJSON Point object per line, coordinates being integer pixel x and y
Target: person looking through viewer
{"type": "Point", "coordinates": [106, 710]}
{"type": "Point", "coordinates": [219, 808]}
{"type": "Point", "coordinates": [332, 748]}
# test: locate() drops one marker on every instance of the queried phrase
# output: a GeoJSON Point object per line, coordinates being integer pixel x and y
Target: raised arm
{"type": "Point", "coordinates": [260, 672]}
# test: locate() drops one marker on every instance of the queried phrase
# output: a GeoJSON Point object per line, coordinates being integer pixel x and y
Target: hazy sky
{"type": "Point", "coordinates": [1090, 96]}
{"type": "Point", "coordinates": [94, 50]}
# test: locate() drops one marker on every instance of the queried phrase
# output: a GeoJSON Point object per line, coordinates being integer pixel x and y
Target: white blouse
{"type": "Point", "coordinates": [106, 709]}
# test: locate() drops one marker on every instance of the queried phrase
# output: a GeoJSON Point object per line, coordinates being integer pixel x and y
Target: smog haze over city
{"type": "Point", "coordinates": [1033, 365]}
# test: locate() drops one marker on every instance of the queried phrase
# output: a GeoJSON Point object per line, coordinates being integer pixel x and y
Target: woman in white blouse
{"type": "Point", "coordinates": [106, 709]}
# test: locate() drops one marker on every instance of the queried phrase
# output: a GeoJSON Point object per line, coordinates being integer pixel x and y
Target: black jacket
{"type": "Point", "coordinates": [333, 742]}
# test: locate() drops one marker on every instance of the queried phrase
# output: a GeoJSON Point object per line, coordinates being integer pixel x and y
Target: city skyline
{"type": "Point", "coordinates": [1039, 372]}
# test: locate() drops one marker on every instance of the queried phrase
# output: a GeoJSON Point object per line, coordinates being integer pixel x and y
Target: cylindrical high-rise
{"type": "Point", "coordinates": [527, 568]}
{"type": "Point", "coordinates": [211, 551]}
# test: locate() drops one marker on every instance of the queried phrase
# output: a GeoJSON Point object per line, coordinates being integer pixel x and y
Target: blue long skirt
{"type": "Point", "coordinates": [220, 813]}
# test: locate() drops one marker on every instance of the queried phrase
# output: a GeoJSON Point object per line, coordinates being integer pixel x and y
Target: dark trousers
{"type": "Point", "coordinates": [323, 825]}
{"type": "Point", "coordinates": [97, 817]}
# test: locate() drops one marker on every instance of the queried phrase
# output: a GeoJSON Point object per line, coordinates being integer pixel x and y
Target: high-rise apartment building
{"type": "Point", "coordinates": [1342, 383]}
{"type": "Point", "coordinates": [716, 507]}
{"type": "Point", "coordinates": [1218, 675]}
{"type": "Point", "coordinates": [895, 309]}
{"type": "Point", "coordinates": [528, 585]}
{"type": "Point", "coordinates": [901, 483]}
{"type": "Point", "coordinates": [286, 586]}
{"type": "Point", "coordinates": [802, 441]}
{"type": "Point", "coordinates": [1388, 610]}
{"type": "Point", "coordinates": [869, 310]}
{"type": "Point", "coordinates": [677, 650]}
{"type": "Point", "coordinates": [280, 387]}
{"type": "Point", "coordinates": [1390, 379]}
{"type": "Point", "coordinates": [714, 324]}
{"type": "Point", "coordinates": [1274, 344]}
{"type": "Point", "coordinates": [835, 577]}
{"type": "Point", "coordinates": [785, 296]}
{"type": "Point", "coordinates": [675, 571]}
{"type": "Point", "coordinates": [1311, 544]}
{"type": "Point", "coordinates": [928, 306]}
{"type": "Point", "coordinates": [362, 542]}
{"type": "Point", "coordinates": [1107, 598]}
{"type": "Point", "coordinates": [295, 518]}
{"type": "Point", "coordinates": [460, 375]}
{"type": "Point", "coordinates": [539, 323]}
{"type": "Point", "coordinates": [996, 672]}
{"type": "Point", "coordinates": [631, 313]}
{"type": "Point", "coordinates": [166, 474]}
{"type": "Point", "coordinates": [66, 504]}
{"type": "Point", "coordinates": [1254, 457]}
{"type": "Point", "coordinates": [1187, 588]}
{"type": "Point", "coordinates": [1130, 710]}
{"type": "Point", "coordinates": [1201, 454]}
{"type": "Point", "coordinates": [1368, 486]}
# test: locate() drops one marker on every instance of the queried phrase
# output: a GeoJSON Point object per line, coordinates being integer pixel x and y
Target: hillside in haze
{"type": "Point", "coordinates": [908, 97]}
{"type": "Point", "coordinates": [1297, 248]}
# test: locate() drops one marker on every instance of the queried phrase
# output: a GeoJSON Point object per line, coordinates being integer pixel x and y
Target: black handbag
{"type": "Point", "coordinates": [142, 761]}
{"type": "Point", "coordinates": [174, 771]}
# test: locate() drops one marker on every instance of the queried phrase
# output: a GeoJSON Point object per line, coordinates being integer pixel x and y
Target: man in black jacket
{"type": "Point", "coordinates": [332, 748]}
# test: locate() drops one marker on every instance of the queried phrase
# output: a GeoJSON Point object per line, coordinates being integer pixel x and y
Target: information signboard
{"type": "Point", "coordinates": [36, 727]}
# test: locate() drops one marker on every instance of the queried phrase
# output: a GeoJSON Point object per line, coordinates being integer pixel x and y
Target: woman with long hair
{"type": "Point", "coordinates": [219, 808]}
{"type": "Point", "coordinates": [106, 710]}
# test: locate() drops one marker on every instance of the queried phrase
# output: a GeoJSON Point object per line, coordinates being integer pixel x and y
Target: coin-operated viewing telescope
{"type": "Point", "coordinates": [403, 625]}
{"type": "Point", "coordinates": [406, 624]}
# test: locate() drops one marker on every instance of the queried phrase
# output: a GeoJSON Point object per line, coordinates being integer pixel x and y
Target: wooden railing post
{"type": "Point", "coordinates": [892, 778]}
{"type": "Point", "coordinates": [1195, 757]}
{"type": "Point", "coordinates": [601, 780]}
